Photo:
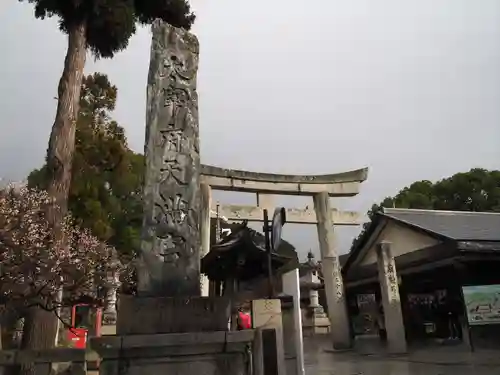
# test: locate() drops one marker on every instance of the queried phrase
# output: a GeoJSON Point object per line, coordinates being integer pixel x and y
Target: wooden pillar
{"type": "Point", "coordinates": [334, 286]}
{"type": "Point", "coordinates": [391, 301]}
{"type": "Point", "coordinates": [459, 280]}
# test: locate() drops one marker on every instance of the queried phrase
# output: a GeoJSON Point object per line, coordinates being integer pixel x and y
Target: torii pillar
{"type": "Point", "coordinates": [334, 286]}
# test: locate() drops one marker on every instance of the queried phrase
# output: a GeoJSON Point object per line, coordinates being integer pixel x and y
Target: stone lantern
{"type": "Point", "coordinates": [315, 320]}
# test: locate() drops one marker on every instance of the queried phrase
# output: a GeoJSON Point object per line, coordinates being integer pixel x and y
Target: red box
{"type": "Point", "coordinates": [78, 337]}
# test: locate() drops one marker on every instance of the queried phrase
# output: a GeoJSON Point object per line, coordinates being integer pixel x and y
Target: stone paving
{"type": "Point", "coordinates": [442, 361]}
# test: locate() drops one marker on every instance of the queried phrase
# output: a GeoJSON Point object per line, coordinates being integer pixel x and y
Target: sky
{"type": "Point", "coordinates": [408, 88]}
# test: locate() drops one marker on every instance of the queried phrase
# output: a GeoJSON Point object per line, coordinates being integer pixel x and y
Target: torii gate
{"type": "Point", "coordinates": [265, 185]}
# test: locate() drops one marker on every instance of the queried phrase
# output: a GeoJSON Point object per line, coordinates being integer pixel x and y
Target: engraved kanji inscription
{"type": "Point", "coordinates": [173, 210]}
{"type": "Point", "coordinates": [338, 281]}
{"type": "Point", "coordinates": [391, 277]}
{"type": "Point", "coordinates": [176, 101]}
{"type": "Point", "coordinates": [173, 140]}
{"type": "Point", "coordinates": [171, 247]}
{"type": "Point", "coordinates": [175, 98]}
{"type": "Point", "coordinates": [171, 168]}
{"type": "Point", "coordinates": [174, 68]}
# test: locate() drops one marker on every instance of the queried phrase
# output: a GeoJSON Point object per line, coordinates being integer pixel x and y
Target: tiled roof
{"type": "Point", "coordinates": [456, 225]}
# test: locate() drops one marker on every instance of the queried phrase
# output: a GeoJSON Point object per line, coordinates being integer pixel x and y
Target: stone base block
{"type": "Point", "coordinates": [267, 316]}
{"type": "Point", "coordinates": [315, 321]}
{"type": "Point", "coordinates": [200, 353]}
{"type": "Point", "coordinates": [152, 315]}
{"type": "Point", "coordinates": [321, 330]}
{"type": "Point", "coordinates": [318, 312]}
{"type": "Point", "coordinates": [107, 330]}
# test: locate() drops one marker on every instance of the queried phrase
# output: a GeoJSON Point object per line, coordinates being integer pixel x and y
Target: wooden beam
{"type": "Point", "coordinates": [293, 215]}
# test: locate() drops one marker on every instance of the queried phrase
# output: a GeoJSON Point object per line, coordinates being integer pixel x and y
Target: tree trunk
{"type": "Point", "coordinates": [8, 325]}
{"type": "Point", "coordinates": [62, 138]}
{"type": "Point", "coordinates": [40, 326]}
{"type": "Point", "coordinates": [2, 368]}
{"type": "Point", "coordinates": [38, 333]}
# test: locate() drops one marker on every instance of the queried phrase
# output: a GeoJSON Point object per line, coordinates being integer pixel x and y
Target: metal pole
{"type": "Point", "coordinates": [266, 231]}
{"type": "Point", "coordinates": [461, 274]}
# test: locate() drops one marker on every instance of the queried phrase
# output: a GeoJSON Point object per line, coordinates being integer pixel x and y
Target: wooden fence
{"type": "Point", "coordinates": [43, 360]}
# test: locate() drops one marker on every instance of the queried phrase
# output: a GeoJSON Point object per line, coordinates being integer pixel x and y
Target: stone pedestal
{"type": "Point", "coordinates": [175, 336]}
{"type": "Point", "coordinates": [200, 353]}
{"type": "Point", "coordinates": [320, 322]}
{"type": "Point", "coordinates": [267, 317]}
{"type": "Point", "coordinates": [315, 321]}
{"type": "Point", "coordinates": [334, 286]}
{"type": "Point", "coordinates": [149, 315]}
{"type": "Point", "coordinates": [390, 299]}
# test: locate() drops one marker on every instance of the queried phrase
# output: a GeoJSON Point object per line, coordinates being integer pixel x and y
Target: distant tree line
{"type": "Point", "coordinates": [476, 190]}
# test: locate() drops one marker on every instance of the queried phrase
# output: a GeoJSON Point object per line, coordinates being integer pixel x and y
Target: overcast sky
{"type": "Point", "coordinates": [408, 88]}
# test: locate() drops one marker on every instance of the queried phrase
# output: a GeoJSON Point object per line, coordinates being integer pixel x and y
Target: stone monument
{"type": "Point", "coordinates": [168, 327]}
{"type": "Point", "coordinates": [169, 267]}
{"type": "Point", "coordinates": [170, 238]}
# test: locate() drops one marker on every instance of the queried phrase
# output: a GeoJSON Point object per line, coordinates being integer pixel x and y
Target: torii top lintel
{"type": "Point", "coordinates": [345, 184]}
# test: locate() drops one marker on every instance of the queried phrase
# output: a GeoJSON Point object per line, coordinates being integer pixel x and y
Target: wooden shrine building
{"type": "Point", "coordinates": [237, 264]}
{"type": "Point", "coordinates": [431, 275]}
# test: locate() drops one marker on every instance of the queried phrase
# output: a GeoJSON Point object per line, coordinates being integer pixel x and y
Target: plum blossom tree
{"type": "Point", "coordinates": [103, 27]}
{"type": "Point", "coordinates": [33, 268]}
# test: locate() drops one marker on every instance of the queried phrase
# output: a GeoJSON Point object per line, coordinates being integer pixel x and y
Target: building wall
{"type": "Point", "coordinates": [403, 239]}
{"type": "Point", "coordinates": [258, 288]}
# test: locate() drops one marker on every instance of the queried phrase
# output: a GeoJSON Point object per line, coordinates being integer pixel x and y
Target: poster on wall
{"type": "Point", "coordinates": [482, 304]}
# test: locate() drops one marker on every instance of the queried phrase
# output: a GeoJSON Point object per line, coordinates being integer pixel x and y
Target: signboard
{"type": "Point", "coordinates": [482, 304]}
{"type": "Point", "coordinates": [279, 219]}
